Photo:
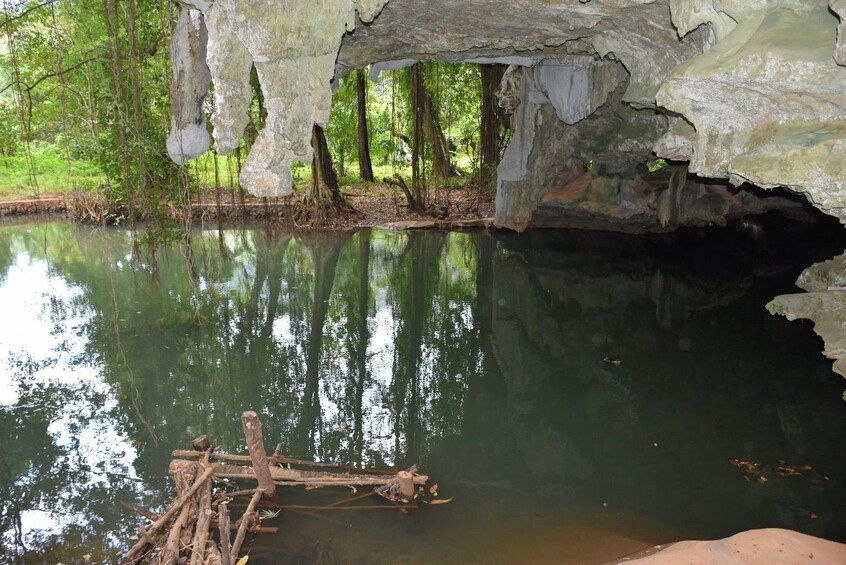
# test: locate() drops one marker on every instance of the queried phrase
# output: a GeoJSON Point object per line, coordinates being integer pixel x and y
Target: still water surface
{"type": "Point", "coordinates": [477, 356]}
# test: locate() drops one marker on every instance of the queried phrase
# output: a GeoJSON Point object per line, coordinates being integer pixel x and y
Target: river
{"type": "Point", "coordinates": [577, 396]}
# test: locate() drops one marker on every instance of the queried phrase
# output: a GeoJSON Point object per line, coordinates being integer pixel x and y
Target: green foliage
{"type": "Point", "coordinates": [85, 102]}
{"type": "Point", "coordinates": [656, 165]}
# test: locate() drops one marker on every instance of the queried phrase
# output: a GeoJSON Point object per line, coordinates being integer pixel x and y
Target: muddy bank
{"type": "Point", "coordinates": [377, 205]}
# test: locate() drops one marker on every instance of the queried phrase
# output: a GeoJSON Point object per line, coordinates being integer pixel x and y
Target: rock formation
{"type": "Point", "coordinates": [293, 45]}
{"type": "Point", "coordinates": [746, 91]}
{"type": "Point", "coordinates": [824, 302]}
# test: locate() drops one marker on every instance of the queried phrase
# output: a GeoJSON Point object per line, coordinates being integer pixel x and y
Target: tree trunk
{"type": "Point", "coordinates": [324, 182]}
{"type": "Point", "coordinates": [365, 167]}
{"type": "Point", "coordinates": [119, 127]}
{"type": "Point", "coordinates": [416, 98]}
{"type": "Point", "coordinates": [490, 139]}
{"type": "Point", "coordinates": [137, 106]}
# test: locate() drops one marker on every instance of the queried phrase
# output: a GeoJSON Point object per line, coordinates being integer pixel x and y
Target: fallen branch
{"type": "Point", "coordinates": [413, 204]}
{"type": "Point", "coordinates": [246, 520]}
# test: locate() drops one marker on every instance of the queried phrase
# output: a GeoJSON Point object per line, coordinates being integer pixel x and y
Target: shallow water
{"type": "Point", "coordinates": [479, 357]}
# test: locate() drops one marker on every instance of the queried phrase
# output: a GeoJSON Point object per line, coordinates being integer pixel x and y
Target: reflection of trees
{"type": "Point", "coordinates": [43, 473]}
{"type": "Point", "coordinates": [325, 251]}
{"type": "Point", "coordinates": [374, 347]}
{"type": "Point", "coordinates": [414, 281]}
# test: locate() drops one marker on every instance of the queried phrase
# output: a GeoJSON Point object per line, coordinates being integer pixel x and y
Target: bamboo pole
{"type": "Point", "coordinates": [255, 444]}
{"type": "Point", "coordinates": [132, 554]}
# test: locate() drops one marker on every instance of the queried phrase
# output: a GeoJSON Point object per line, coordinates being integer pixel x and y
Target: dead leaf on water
{"type": "Point", "coordinates": [243, 560]}
{"type": "Point", "coordinates": [440, 500]}
{"type": "Point", "coordinates": [434, 489]}
{"type": "Point", "coordinates": [611, 360]}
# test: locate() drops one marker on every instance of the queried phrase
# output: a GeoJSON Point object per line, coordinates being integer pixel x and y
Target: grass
{"type": "Point", "coordinates": [51, 174]}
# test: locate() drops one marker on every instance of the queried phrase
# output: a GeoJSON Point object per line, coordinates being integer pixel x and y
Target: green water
{"type": "Point", "coordinates": [478, 356]}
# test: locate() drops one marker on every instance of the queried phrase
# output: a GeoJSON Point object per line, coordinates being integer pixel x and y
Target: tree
{"type": "Point", "coordinates": [489, 129]}
{"type": "Point", "coordinates": [426, 116]}
{"type": "Point", "coordinates": [365, 167]}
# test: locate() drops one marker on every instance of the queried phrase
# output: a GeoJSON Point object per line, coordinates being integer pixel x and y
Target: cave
{"type": "Point", "coordinates": [741, 105]}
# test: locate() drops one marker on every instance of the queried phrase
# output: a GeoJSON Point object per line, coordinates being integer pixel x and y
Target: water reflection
{"type": "Point", "coordinates": [478, 357]}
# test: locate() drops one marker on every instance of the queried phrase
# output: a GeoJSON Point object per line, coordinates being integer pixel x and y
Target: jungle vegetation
{"type": "Point", "coordinates": [85, 108]}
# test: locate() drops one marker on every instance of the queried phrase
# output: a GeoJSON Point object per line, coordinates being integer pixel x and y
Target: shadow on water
{"type": "Point", "coordinates": [478, 356]}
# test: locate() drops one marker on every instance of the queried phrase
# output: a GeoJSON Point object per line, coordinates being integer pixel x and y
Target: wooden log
{"type": "Point", "coordinates": [171, 553]}
{"type": "Point", "coordinates": [255, 445]}
{"type": "Point", "coordinates": [201, 443]}
{"type": "Point", "coordinates": [134, 552]}
{"type": "Point", "coordinates": [223, 526]}
{"type": "Point", "coordinates": [283, 460]}
{"type": "Point", "coordinates": [201, 533]}
{"type": "Point", "coordinates": [294, 477]}
{"type": "Point", "coordinates": [245, 522]}
{"type": "Point", "coordinates": [405, 480]}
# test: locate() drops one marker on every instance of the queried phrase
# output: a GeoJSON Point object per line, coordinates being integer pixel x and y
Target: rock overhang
{"type": "Point", "coordinates": [752, 89]}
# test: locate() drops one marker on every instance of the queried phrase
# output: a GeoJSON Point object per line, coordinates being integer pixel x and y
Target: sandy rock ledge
{"type": "Point", "coordinates": [771, 546]}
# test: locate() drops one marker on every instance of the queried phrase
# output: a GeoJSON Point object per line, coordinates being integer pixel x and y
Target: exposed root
{"type": "Point", "coordinates": [321, 214]}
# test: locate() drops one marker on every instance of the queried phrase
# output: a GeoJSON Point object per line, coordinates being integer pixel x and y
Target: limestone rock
{"type": "Point", "coordinates": [824, 303]}
{"type": "Point", "coordinates": [767, 103]}
{"type": "Point", "coordinates": [839, 8]}
{"type": "Point", "coordinates": [293, 45]}
{"type": "Point", "coordinates": [188, 136]}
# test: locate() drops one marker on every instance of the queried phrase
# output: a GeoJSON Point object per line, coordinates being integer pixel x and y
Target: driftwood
{"type": "Point", "coordinates": [190, 517]}
{"type": "Point", "coordinates": [223, 526]}
{"type": "Point", "coordinates": [134, 553]}
{"type": "Point", "coordinates": [201, 532]}
{"type": "Point", "coordinates": [278, 460]}
{"type": "Point", "coordinates": [295, 477]}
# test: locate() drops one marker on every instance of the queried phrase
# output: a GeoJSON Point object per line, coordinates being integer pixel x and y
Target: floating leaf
{"type": "Point", "coordinates": [813, 516]}
{"type": "Point", "coordinates": [434, 489]}
{"type": "Point", "coordinates": [611, 360]}
{"type": "Point", "coordinates": [441, 500]}
{"type": "Point", "coordinates": [243, 560]}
